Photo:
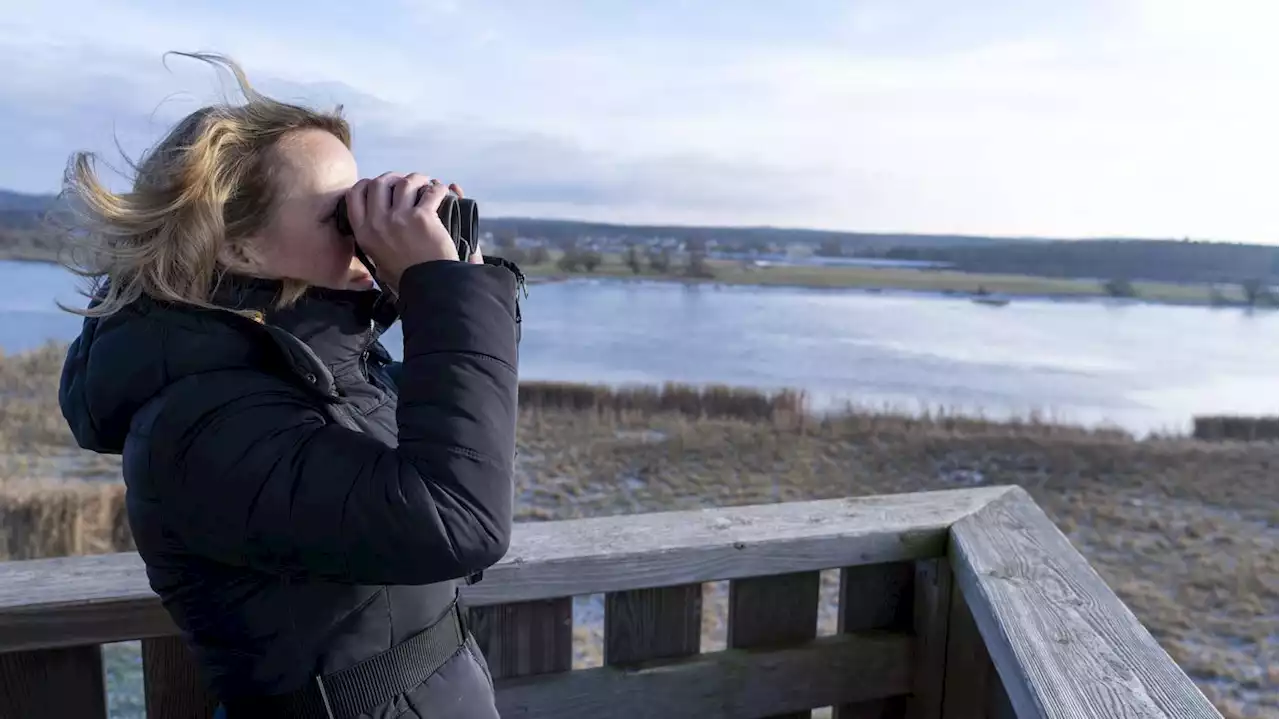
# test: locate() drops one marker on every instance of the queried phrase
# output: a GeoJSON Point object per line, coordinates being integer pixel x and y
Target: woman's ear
{"type": "Point", "coordinates": [238, 256]}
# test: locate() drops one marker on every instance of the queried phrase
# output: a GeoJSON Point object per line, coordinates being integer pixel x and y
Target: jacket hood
{"type": "Point", "coordinates": [121, 362]}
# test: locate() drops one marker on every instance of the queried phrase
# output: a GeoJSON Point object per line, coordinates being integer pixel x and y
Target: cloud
{"type": "Point", "coordinates": [524, 171]}
{"type": "Point", "coordinates": [1133, 117]}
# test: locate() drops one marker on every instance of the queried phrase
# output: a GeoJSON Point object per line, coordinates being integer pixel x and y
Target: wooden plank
{"type": "Point", "coordinates": [106, 598]}
{"type": "Point", "coordinates": [70, 601]}
{"type": "Point", "coordinates": [778, 610]}
{"type": "Point", "coordinates": [656, 623]}
{"type": "Point", "coordinates": [736, 683]}
{"type": "Point", "coordinates": [52, 684]}
{"type": "Point", "coordinates": [969, 669]}
{"type": "Point", "coordinates": [525, 638]}
{"type": "Point", "coordinates": [930, 625]}
{"type": "Point", "coordinates": [876, 596]}
{"type": "Point", "coordinates": [173, 685]}
{"type": "Point", "coordinates": [998, 704]}
{"type": "Point", "coordinates": [609, 554]}
{"type": "Point", "coordinates": [1062, 642]}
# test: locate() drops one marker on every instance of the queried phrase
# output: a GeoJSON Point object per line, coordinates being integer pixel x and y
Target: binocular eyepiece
{"type": "Point", "coordinates": [460, 216]}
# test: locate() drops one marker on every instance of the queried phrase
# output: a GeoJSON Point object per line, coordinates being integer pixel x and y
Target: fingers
{"type": "Point", "coordinates": [404, 194]}
{"type": "Point", "coordinates": [378, 200]}
{"type": "Point", "coordinates": [356, 198]}
{"type": "Point", "coordinates": [431, 200]}
{"type": "Point", "coordinates": [373, 203]}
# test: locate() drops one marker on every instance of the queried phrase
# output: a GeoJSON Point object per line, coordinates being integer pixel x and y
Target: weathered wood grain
{"type": "Point", "coordinates": [930, 626]}
{"type": "Point", "coordinates": [70, 601]}
{"type": "Point", "coordinates": [609, 554]}
{"type": "Point", "coordinates": [106, 598]}
{"type": "Point", "coordinates": [1062, 642]}
{"type": "Point", "coordinates": [53, 684]}
{"type": "Point", "coordinates": [737, 684]}
{"type": "Point", "coordinates": [876, 596]}
{"type": "Point", "coordinates": [774, 611]}
{"type": "Point", "coordinates": [656, 623]}
{"type": "Point", "coordinates": [172, 683]}
{"type": "Point", "coordinates": [526, 637]}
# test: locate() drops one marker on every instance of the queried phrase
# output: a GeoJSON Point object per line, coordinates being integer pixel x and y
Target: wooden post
{"type": "Point", "coordinates": [659, 623]}
{"type": "Point", "coordinates": [775, 610]}
{"type": "Point", "coordinates": [932, 609]}
{"type": "Point", "coordinates": [174, 689]}
{"type": "Point", "coordinates": [972, 688]}
{"type": "Point", "coordinates": [525, 638]}
{"type": "Point", "coordinates": [876, 596]}
{"type": "Point", "coordinates": [1062, 642]}
{"type": "Point", "coordinates": [53, 683]}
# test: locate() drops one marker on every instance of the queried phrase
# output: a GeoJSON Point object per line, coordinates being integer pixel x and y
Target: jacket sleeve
{"type": "Point", "coordinates": [262, 478]}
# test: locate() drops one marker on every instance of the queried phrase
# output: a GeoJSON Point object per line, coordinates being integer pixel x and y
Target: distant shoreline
{"type": "Point", "coordinates": [951, 284]}
{"type": "Point", "coordinates": [931, 283]}
{"type": "Point", "coordinates": [888, 291]}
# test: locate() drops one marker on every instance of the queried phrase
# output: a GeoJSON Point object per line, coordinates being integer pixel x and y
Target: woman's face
{"type": "Point", "coordinates": [301, 241]}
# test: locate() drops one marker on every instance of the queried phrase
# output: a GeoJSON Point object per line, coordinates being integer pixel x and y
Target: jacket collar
{"type": "Point", "coordinates": [337, 326]}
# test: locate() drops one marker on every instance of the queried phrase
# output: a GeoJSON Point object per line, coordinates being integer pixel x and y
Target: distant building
{"type": "Point", "coordinates": [798, 250]}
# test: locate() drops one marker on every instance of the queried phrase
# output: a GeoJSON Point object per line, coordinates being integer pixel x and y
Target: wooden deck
{"type": "Point", "coordinates": [956, 604]}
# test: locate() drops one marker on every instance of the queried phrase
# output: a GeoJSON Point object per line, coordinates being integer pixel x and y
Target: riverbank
{"type": "Point", "coordinates": [936, 281]}
{"type": "Point", "coordinates": [994, 288]}
{"type": "Point", "coordinates": [1183, 530]}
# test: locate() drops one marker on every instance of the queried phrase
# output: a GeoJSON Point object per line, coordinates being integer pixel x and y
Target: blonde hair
{"type": "Point", "coordinates": [196, 197]}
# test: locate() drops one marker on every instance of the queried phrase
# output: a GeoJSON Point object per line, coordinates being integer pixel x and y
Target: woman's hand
{"type": "Point", "coordinates": [394, 228]}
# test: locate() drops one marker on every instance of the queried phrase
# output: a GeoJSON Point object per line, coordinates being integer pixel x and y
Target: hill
{"type": "Point", "coordinates": [18, 202]}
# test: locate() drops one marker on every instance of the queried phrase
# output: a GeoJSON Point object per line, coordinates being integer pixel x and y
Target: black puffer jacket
{"type": "Point", "coordinates": [285, 543]}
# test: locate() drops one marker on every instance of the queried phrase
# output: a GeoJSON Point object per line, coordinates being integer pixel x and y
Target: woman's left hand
{"type": "Point", "coordinates": [476, 258]}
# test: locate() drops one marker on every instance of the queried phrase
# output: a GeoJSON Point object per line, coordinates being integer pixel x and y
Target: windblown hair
{"type": "Point", "coordinates": [197, 196]}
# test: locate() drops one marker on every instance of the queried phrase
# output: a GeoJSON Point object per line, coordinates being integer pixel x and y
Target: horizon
{"type": "Point", "coordinates": [1104, 119]}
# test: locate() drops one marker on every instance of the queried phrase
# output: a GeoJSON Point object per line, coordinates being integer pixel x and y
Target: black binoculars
{"type": "Point", "coordinates": [460, 216]}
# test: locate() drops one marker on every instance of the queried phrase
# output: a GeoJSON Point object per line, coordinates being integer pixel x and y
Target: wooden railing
{"type": "Point", "coordinates": [964, 603]}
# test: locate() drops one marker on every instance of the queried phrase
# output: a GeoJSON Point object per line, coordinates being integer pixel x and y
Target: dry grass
{"type": "Point", "coordinates": [1183, 530]}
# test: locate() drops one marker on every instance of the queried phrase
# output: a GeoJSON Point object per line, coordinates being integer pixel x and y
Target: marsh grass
{"type": "Point", "coordinates": [1184, 530]}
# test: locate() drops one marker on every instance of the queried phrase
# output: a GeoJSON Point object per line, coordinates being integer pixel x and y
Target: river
{"type": "Point", "coordinates": [1142, 367]}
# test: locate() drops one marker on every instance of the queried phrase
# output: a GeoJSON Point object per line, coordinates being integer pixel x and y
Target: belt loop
{"type": "Point", "coordinates": [324, 697]}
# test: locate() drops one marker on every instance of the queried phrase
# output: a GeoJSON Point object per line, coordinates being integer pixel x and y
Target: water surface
{"type": "Point", "coordinates": [1143, 367]}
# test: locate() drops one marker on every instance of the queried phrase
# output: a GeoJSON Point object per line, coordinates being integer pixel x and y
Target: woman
{"type": "Point", "coordinates": [305, 507]}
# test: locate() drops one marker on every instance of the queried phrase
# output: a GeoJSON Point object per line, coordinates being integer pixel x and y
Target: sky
{"type": "Point", "coordinates": [1134, 118]}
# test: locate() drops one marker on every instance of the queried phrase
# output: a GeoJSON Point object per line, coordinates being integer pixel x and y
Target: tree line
{"type": "Point", "coordinates": [577, 258]}
{"type": "Point", "coordinates": [1154, 260]}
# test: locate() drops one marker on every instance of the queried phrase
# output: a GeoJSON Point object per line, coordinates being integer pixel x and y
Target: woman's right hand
{"type": "Point", "coordinates": [395, 231]}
